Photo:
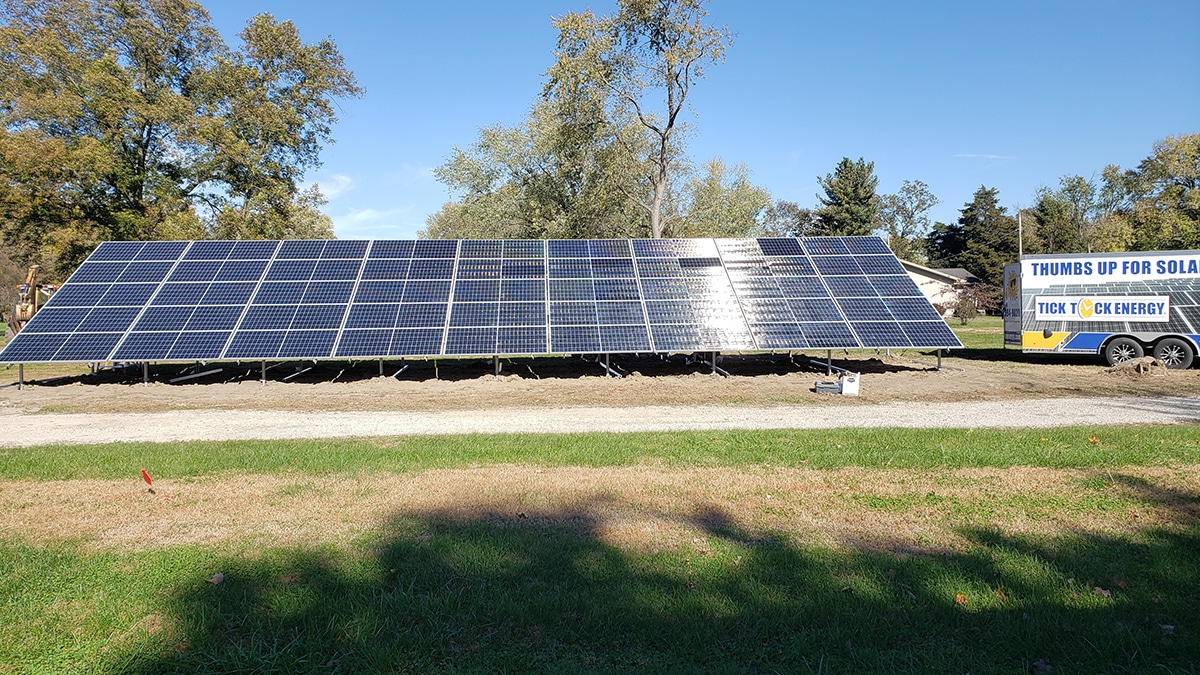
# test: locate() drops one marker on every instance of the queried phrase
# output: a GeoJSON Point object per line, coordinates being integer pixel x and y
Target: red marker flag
{"type": "Point", "coordinates": [146, 477]}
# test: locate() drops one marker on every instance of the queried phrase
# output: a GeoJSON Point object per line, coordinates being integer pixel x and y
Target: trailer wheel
{"type": "Point", "coordinates": [1123, 349]}
{"type": "Point", "coordinates": [1175, 353]}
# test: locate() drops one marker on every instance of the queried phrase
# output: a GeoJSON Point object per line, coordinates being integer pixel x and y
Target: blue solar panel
{"type": "Point", "coordinates": [392, 249]}
{"type": "Point", "coordinates": [780, 247]}
{"type": "Point", "coordinates": [364, 343]}
{"type": "Point", "coordinates": [229, 294]}
{"type": "Point", "coordinates": [140, 346]}
{"type": "Point", "coordinates": [259, 344]}
{"type": "Point", "coordinates": [464, 341]}
{"type": "Point", "coordinates": [306, 343]}
{"type": "Point", "coordinates": [423, 342]}
{"type": "Point", "coordinates": [522, 314]}
{"type": "Point", "coordinates": [521, 340]}
{"type": "Point", "coordinates": [116, 250]}
{"type": "Point", "coordinates": [98, 272]}
{"type": "Point", "coordinates": [208, 250]}
{"type": "Point", "coordinates": [360, 299]}
{"type": "Point", "coordinates": [300, 250]}
{"type": "Point", "coordinates": [214, 318]}
{"type": "Point", "coordinates": [574, 339]}
{"type": "Point", "coordinates": [198, 345]}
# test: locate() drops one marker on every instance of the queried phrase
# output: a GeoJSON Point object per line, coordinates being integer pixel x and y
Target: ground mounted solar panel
{"type": "Point", "coordinates": [341, 299]}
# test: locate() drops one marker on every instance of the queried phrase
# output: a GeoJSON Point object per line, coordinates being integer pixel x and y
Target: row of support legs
{"type": "Point", "coordinates": [495, 362]}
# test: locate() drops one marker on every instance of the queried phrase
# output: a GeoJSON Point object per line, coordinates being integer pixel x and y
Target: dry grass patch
{"type": "Point", "coordinates": [642, 508]}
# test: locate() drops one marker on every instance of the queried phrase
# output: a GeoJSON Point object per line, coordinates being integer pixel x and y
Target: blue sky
{"type": "Point", "coordinates": [1010, 94]}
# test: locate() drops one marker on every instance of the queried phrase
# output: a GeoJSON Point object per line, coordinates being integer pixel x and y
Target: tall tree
{"type": "Point", "coordinates": [1056, 229]}
{"type": "Point", "coordinates": [904, 219]}
{"type": "Point", "coordinates": [560, 174]}
{"type": "Point", "coordinates": [722, 203]}
{"type": "Point", "coordinates": [789, 219]}
{"type": "Point", "coordinates": [134, 120]}
{"type": "Point", "coordinates": [944, 244]}
{"type": "Point", "coordinates": [1166, 195]}
{"type": "Point", "coordinates": [849, 205]}
{"type": "Point", "coordinates": [990, 235]}
{"type": "Point", "coordinates": [644, 59]}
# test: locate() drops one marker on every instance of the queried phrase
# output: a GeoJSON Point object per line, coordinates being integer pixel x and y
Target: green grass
{"type": "Point", "coordinates": [442, 594]}
{"type": "Point", "coordinates": [896, 448]}
{"type": "Point", "coordinates": [483, 593]}
{"type": "Point", "coordinates": [984, 332]}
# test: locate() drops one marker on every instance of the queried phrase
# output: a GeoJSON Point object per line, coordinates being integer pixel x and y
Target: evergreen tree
{"type": "Point", "coordinates": [990, 234]}
{"type": "Point", "coordinates": [944, 244]}
{"type": "Point", "coordinates": [849, 205]}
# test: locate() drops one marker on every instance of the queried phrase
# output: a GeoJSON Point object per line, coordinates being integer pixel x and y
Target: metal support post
{"type": "Point", "coordinates": [264, 373]}
{"type": "Point", "coordinates": [145, 374]}
{"type": "Point", "coordinates": [939, 359]}
{"type": "Point", "coordinates": [496, 363]}
{"type": "Point", "coordinates": [381, 367]}
{"type": "Point", "coordinates": [607, 364]}
{"type": "Point", "coordinates": [20, 376]}
{"type": "Point", "coordinates": [828, 363]}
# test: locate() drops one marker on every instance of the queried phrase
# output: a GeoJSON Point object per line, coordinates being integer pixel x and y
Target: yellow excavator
{"type": "Point", "coordinates": [28, 303]}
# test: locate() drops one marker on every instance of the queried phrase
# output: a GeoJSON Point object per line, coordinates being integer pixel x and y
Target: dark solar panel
{"type": "Point", "coordinates": [205, 300]}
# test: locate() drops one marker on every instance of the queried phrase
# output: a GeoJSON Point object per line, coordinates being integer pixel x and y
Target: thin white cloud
{"type": "Point", "coordinates": [334, 186]}
{"type": "Point", "coordinates": [376, 224]}
{"type": "Point", "coordinates": [972, 155]}
{"type": "Point", "coordinates": [408, 176]}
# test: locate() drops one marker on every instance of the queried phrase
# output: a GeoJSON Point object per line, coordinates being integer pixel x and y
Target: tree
{"type": "Point", "coordinates": [1166, 195]}
{"type": "Point", "coordinates": [849, 204]}
{"type": "Point", "coordinates": [642, 62]}
{"type": "Point", "coordinates": [134, 120]}
{"type": "Point", "coordinates": [789, 219]}
{"type": "Point", "coordinates": [944, 244]}
{"type": "Point", "coordinates": [990, 236]}
{"type": "Point", "coordinates": [560, 174]}
{"type": "Point", "coordinates": [1056, 229]}
{"type": "Point", "coordinates": [904, 220]}
{"type": "Point", "coordinates": [722, 203]}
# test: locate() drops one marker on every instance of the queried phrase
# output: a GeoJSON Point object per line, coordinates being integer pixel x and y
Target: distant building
{"type": "Point", "coordinates": [940, 285]}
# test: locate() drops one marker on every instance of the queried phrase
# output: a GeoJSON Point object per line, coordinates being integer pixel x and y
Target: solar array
{"type": "Point", "coordinates": [342, 299]}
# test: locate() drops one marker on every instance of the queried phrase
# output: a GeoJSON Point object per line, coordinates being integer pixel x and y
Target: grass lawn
{"type": "Point", "coordinates": [447, 591]}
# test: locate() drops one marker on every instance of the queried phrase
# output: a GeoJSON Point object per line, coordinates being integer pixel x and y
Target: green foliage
{"type": "Point", "coordinates": [1166, 190]}
{"type": "Point", "coordinates": [989, 234]}
{"type": "Point", "coordinates": [564, 173]}
{"type": "Point", "coordinates": [973, 300]}
{"type": "Point", "coordinates": [640, 65]}
{"type": "Point", "coordinates": [136, 121]}
{"type": "Point", "coordinates": [944, 244]}
{"type": "Point", "coordinates": [849, 205]}
{"type": "Point", "coordinates": [904, 220]}
{"type": "Point", "coordinates": [788, 219]}
{"type": "Point", "coordinates": [722, 203]}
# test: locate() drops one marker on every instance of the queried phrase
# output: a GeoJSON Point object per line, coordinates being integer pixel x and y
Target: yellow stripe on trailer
{"type": "Point", "coordinates": [1039, 340]}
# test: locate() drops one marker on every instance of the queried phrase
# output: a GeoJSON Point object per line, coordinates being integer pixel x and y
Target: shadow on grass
{"type": "Point", "coordinates": [552, 592]}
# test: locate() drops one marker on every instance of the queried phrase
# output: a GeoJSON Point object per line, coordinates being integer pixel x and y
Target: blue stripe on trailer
{"type": "Point", "coordinates": [1087, 341]}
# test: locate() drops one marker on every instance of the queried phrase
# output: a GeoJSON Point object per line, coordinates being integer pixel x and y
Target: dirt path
{"type": "Point", "coordinates": [179, 425]}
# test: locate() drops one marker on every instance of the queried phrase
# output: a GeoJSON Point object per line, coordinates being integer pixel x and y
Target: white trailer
{"type": "Point", "coordinates": [1118, 305]}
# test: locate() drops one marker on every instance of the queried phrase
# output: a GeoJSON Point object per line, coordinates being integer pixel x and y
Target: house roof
{"type": "Point", "coordinates": [961, 274]}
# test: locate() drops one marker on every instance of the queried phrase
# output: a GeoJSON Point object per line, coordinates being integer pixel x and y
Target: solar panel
{"type": "Point", "coordinates": [266, 300]}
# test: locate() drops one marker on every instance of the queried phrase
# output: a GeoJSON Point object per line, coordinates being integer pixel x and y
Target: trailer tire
{"type": "Point", "coordinates": [1175, 353]}
{"type": "Point", "coordinates": [1122, 349]}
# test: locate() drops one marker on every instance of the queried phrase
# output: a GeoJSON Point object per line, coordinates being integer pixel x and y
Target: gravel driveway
{"type": "Point", "coordinates": [180, 425]}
